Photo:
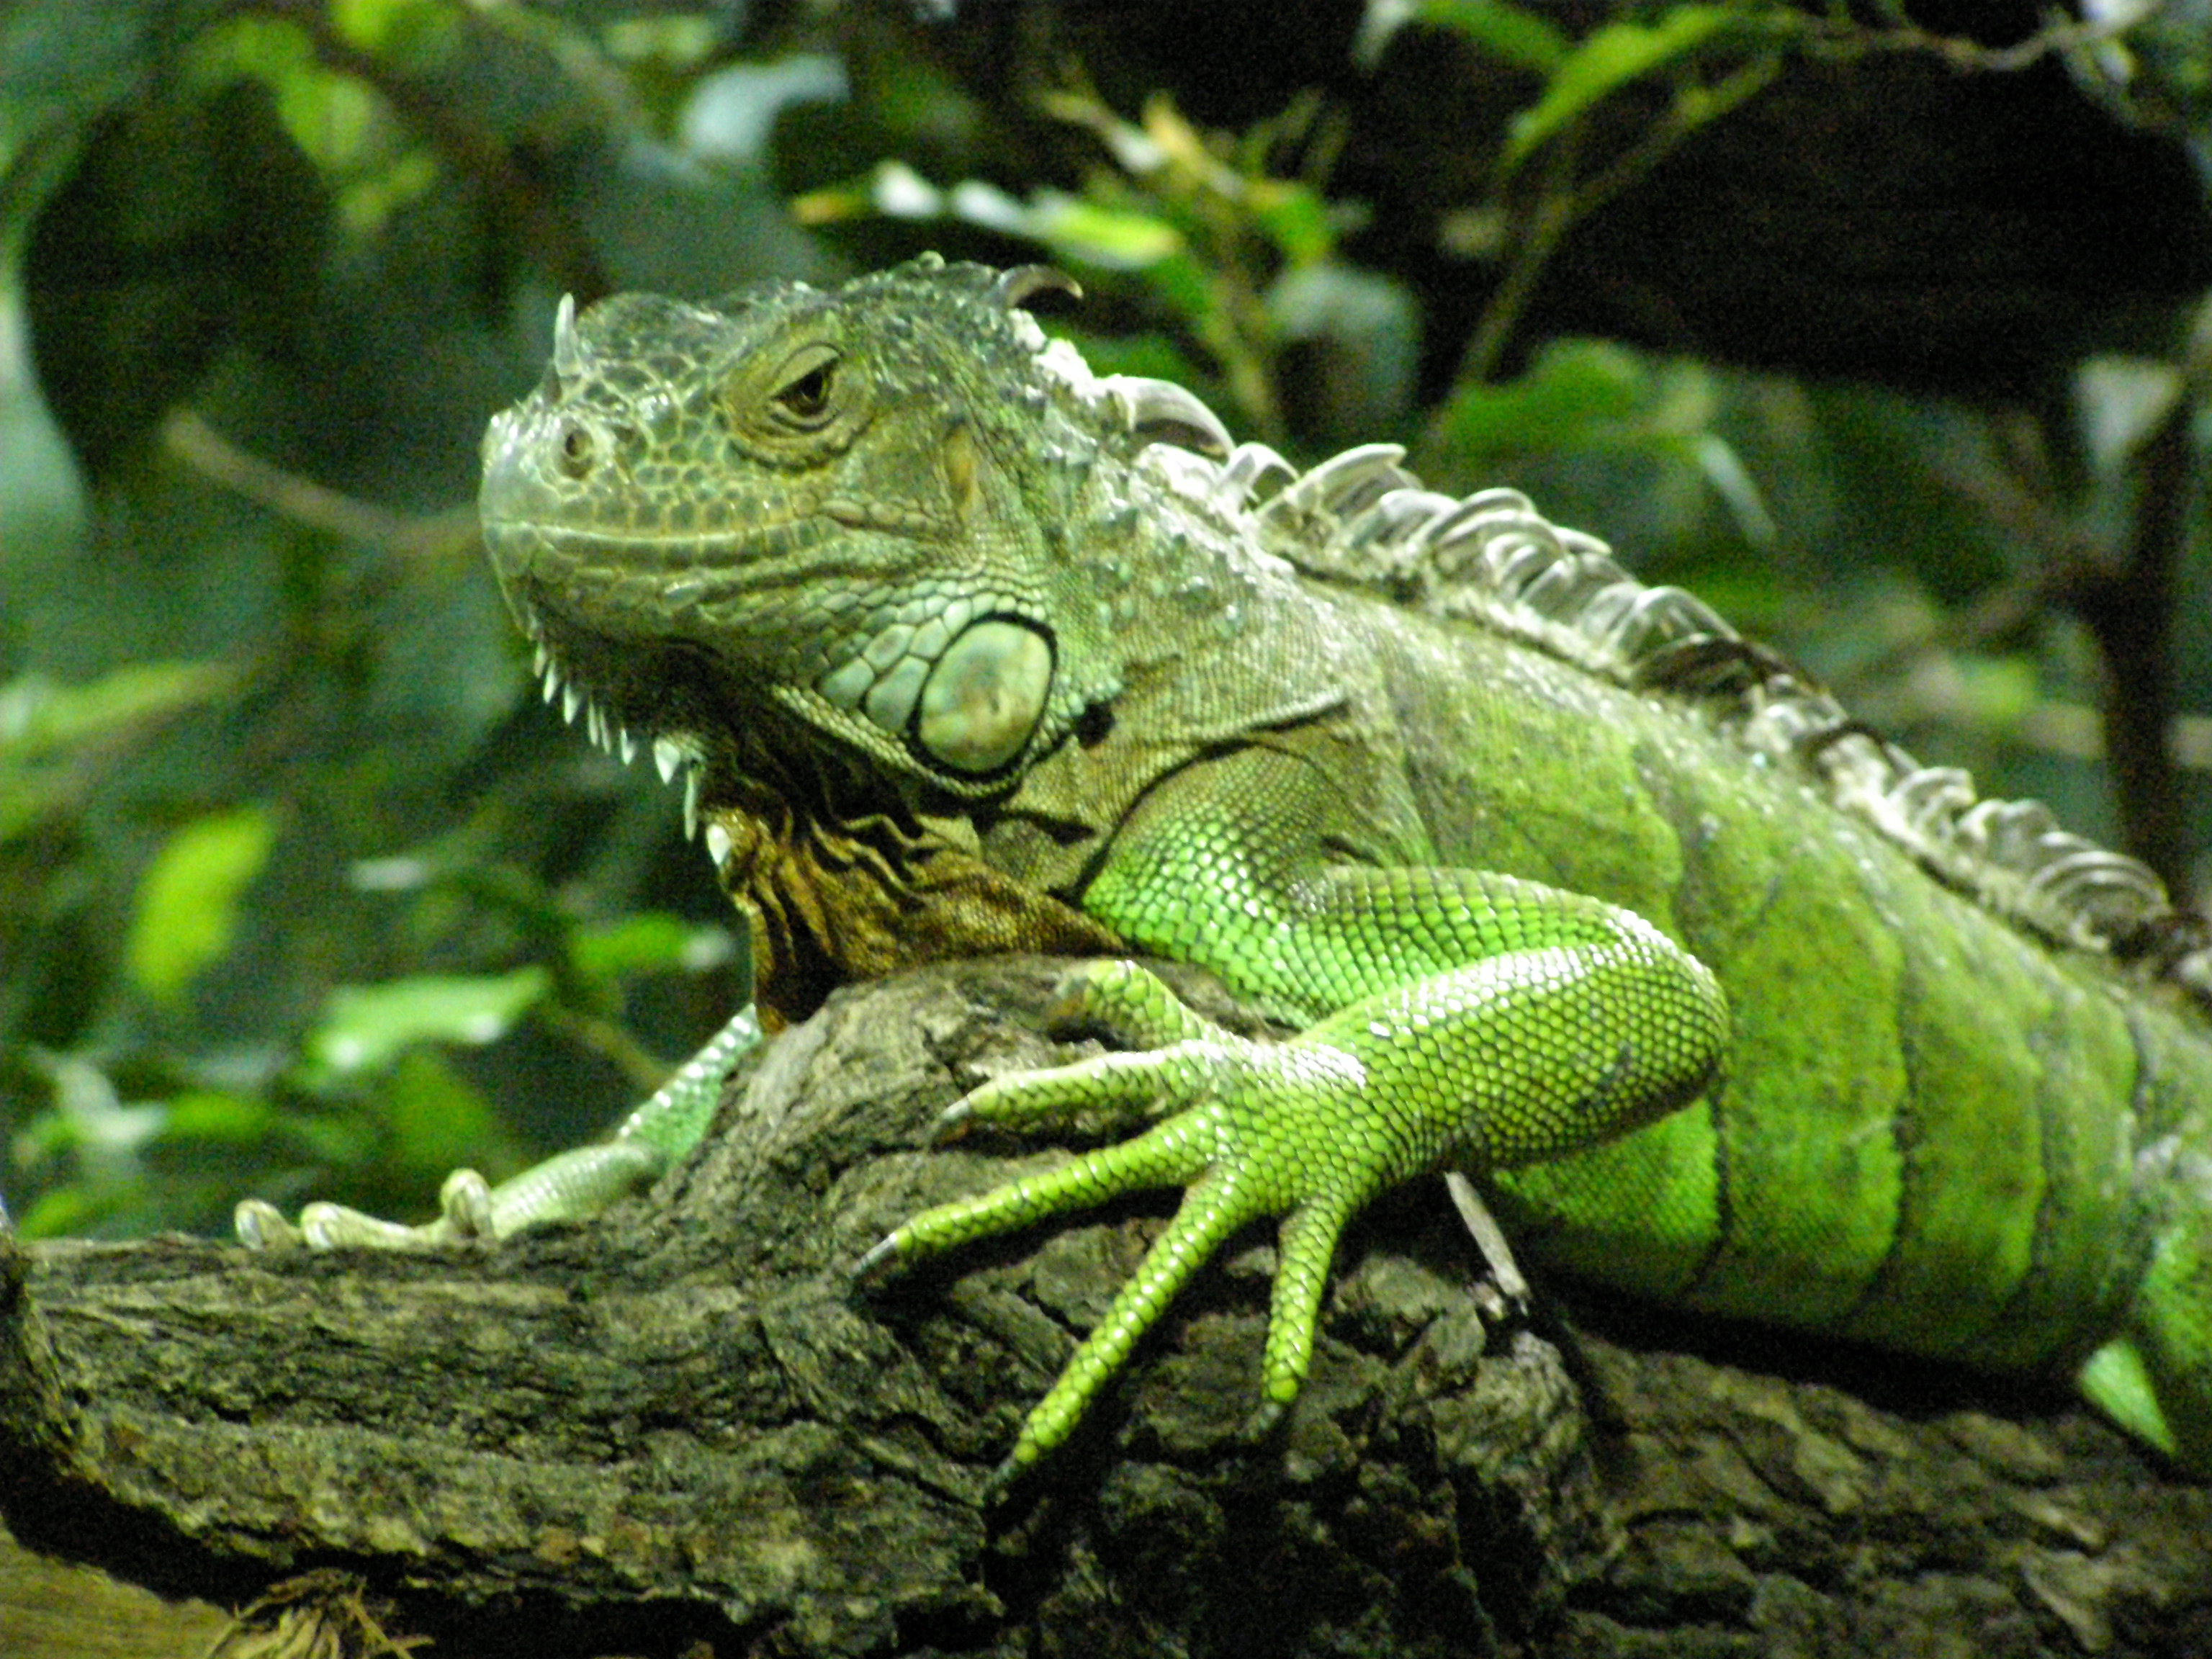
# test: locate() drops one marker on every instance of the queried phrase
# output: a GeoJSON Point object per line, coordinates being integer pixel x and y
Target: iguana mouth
{"type": "Point", "coordinates": [676, 747]}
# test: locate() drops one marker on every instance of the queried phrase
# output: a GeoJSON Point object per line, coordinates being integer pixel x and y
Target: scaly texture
{"type": "Point", "coordinates": [959, 646]}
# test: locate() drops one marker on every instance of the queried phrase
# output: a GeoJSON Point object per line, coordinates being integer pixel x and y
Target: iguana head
{"type": "Point", "coordinates": [827, 519]}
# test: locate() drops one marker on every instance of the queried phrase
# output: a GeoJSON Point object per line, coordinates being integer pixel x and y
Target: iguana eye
{"type": "Point", "coordinates": [804, 399]}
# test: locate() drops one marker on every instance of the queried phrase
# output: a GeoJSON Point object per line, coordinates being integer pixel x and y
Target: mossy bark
{"type": "Point", "coordinates": [685, 1424]}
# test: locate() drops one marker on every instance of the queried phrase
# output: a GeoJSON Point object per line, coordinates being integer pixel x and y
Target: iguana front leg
{"type": "Point", "coordinates": [569, 1185]}
{"type": "Point", "coordinates": [1479, 1020]}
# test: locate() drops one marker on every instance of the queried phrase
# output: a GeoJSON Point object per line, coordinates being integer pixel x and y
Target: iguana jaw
{"type": "Point", "coordinates": [941, 694]}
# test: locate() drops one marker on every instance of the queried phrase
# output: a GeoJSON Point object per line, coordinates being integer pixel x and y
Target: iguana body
{"type": "Point", "coordinates": [967, 649]}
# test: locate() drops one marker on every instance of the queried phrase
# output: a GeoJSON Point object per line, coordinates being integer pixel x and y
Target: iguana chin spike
{"type": "Point", "coordinates": [667, 756]}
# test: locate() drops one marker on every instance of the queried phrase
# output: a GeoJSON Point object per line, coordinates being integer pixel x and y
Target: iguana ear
{"type": "Point", "coordinates": [985, 695]}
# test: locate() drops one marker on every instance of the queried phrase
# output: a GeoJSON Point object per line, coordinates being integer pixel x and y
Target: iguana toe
{"type": "Point", "coordinates": [1237, 1146]}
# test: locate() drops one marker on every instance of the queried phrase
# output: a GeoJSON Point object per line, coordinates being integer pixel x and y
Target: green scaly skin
{"type": "Point", "coordinates": [1560, 882]}
{"type": "Point", "coordinates": [1495, 1023]}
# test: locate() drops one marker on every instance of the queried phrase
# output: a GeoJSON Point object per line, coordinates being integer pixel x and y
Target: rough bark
{"type": "Point", "coordinates": [683, 1424]}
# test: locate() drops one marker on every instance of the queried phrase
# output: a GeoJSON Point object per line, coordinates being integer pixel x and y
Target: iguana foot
{"type": "Point", "coordinates": [464, 1212]}
{"type": "Point", "coordinates": [1588, 1025]}
{"type": "Point", "coordinates": [1255, 1129]}
{"type": "Point", "coordinates": [569, 1185]}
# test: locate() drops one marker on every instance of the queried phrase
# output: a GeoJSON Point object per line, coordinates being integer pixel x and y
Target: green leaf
{"type": "Point", "coordinates": [1119, 239]}
{"type": "Point", "coordinates": [364, 1026]}
{"type": "Point", "coordinates": [415, 33]}
{"type": "Point", "coordinates": [340, 121]}
{"type": "Point", "coordinates": [1997, 693]}
{"type": "Point", "coordinates": [1575, 390]}
{"type": "Point", "coordinates": [1116, 238]}
{"type": "Point", "coordinates": [1520, 38]}
{"type": "Point", "coordinates": [1608, 59]}
{"type": "Point", "coordinates": [649, 942]}
{"type": "Point", "coordinates": [208, 1115]}
{"type": "Point", "coordinates": [38, 718]}
{"type": "Point", "coordinates": [1297, 220]}
{"type": "Point", "coordinates": [54, 738]}
{"type": "Point", "coordinates": [188, 899]}
{"type": "Point", "coordinates": [61, 1211]}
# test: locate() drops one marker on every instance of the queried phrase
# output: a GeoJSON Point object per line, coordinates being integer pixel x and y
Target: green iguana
{"type": "Point", "coordinates": [961, 647]}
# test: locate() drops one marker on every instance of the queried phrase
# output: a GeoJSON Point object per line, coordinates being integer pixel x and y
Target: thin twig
{"type": "Point", "coordinates": [437, 539]}
{"type": "Point", "coordinates": [1834, 41]}
{"type": "Point", "coordinates": [1690, 113]}
{"type": "Point", "coordinates": [1548, 221]}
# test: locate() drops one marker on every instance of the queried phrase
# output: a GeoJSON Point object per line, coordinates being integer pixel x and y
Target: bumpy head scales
{"type": "Point", "coordinates": [825, 519]}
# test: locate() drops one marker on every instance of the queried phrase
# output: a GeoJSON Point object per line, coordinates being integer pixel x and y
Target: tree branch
{"type": "Point", "coordinates": [682, 1424]}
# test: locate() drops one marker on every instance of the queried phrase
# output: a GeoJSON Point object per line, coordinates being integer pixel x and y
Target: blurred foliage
{"type": "Point", "coordinates": [304, 893]}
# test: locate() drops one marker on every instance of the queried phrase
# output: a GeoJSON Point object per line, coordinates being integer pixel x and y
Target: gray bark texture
{"type": "Point", "coordinates": [683, 1430]}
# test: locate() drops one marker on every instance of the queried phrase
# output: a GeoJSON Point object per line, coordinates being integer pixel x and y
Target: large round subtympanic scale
{"type": "Point", "coordinates": [985, 695]}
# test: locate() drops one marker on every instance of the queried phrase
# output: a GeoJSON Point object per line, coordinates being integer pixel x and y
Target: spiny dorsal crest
{"type": "Point", "coordinates": [1361, 519]}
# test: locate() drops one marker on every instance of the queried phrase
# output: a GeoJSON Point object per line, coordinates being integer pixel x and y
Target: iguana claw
{"type": "Point", "coordinates": [466, 1214]}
